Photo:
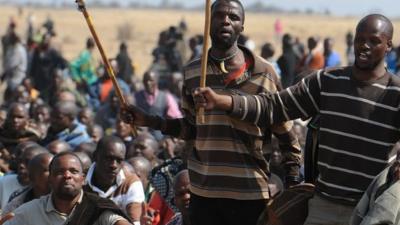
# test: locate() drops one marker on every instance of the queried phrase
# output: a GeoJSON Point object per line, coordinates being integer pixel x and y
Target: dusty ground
{"type": "Point", "coordinates": [146, 24]}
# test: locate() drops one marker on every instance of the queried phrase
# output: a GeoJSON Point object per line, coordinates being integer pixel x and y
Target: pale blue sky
{"type": "Point", "coordinates": [390, 8]}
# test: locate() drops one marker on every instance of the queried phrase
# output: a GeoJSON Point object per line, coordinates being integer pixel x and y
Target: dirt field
{"type": "Point", "coordinates": [146, 25]}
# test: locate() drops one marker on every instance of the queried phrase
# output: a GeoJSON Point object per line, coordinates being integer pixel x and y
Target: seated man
{"type": "Point", "coordinates": [57, 146]}
{"type": "Point", "coordinates": [380, 204]}
{"type": "Point", "coordinates": [145, 145]}
{"type": "Point", "coordinates": [14, 182]}
{"type": "Point", "coordinates": [38, 175]}
{"type": "Point", "coordinates": [107, 179]}
{"type": "Point", "coordinates": [67, 203]}
{"type": "Point", "coordinates": [142, 168]}
{"type": "Point", "coordinates": [65, 127]}
{"type": "Point", "coordinates": [17, 128]}
{"type": "Point", "coordinates": [181, 198]}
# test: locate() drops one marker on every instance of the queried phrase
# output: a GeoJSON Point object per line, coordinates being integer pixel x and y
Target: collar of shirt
{"type": "Point", "coordinates": [67, 131]}
{"type": "Point", "coordinates": [50, 206]}
{"type": "Point", "coordinates": [120, 179]}
{"type": "Point", "coordinates": [151, 98]}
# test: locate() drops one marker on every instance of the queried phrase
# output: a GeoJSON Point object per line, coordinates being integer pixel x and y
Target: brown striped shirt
{"type": "Point", "coordinates": [227, 160]}
{"type": "Point", "coordinates": [359, 125]}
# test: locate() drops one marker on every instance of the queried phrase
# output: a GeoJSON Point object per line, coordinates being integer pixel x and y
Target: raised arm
{"type": "Point", "coordinates": [298, 101]}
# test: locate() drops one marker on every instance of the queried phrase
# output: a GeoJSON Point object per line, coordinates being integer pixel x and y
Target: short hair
{"type": "Point", "coordinates": [104, 143]}
{"type": "Point", "coordinates": [235, 1]}
{"type": "Point", "coordinates": [35, 161]}
{"type": "Point", "coordinates": [123, 46]}
{"type": "Point", "coordinates": [62, 154]}
{"type": "Point", "coordinates": [388, 28]}
{"type": "Point", "coordinates": [90, 43]}
{"type": "Point", "coordinates": [15, 105]}
{"type": "Point", "coordinates": [140, 163]}
{"type": "Point", "coordinates": [87, 147]}
{"type": "Point", "coordinates": [181, 173]}
{"type": "Point", "coordinates": [35, 150]}
{"type": "Point", "coordinates": [85, 159]}
{"type": "Point", "coordinates": [269, 49]}
{"type": "Point", "coordinates": [67, 108]}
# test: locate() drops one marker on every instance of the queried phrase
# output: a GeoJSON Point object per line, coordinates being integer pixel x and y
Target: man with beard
{"type": "Point", "coordinates": [229, 176]}
{"type": "Point", "coordinates": [67, 203]}
{"type": "Point", "coordinates": [107, 179]}
{"type": "Point", "coordinates": [359, 119]}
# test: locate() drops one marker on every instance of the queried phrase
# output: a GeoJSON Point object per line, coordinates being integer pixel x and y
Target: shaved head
{"type": "Point", "coordinates": [85, 159]}
{"type": "Point", "coordinates": [141, 165]}
{"type": "Point", "coordinates": [34, 165]}
{"type": "Point", "coordinates": [67, 108]}
{"type": "Point", "coordinates": [58, 146]}
{"type": "Point", "coordinates": [377, 21]}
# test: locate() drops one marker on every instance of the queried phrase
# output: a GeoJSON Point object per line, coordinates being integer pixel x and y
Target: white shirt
{"type": "Point", "coordinates": [135, 193]}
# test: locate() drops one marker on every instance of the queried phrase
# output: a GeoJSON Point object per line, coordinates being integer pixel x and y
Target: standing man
{"type": "Point", "coordinates": [45, 60]}
{"type": "Point", "coordinates": [229, 175]}
{"type": "Point", "coordinates": [314, 59]}
{"type": "Point", "coordinates": [83, 68]}
{"type": "Point", "coordinates": [332, 58]}
{"type": "Point", "coordinates": [359, 119]}
{"type": "Point", "coordinates": [155, 101]}
{"type": "Point", "coordinates": [15, 64]}
{"type": "Point", "coordinates": [287, 61]}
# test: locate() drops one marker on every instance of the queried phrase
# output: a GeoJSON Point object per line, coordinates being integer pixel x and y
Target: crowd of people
{"type": "Point", "coordinates": [68, 153]}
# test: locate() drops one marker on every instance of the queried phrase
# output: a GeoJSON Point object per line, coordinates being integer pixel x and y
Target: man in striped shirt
{"type": "Point", "coordinates": [229, 175]}
{"type": "Point", "coordinates": [359, 125]}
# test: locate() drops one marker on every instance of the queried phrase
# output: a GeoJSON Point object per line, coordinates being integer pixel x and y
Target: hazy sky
{"type": "Point", "coordinates": [339, 7]}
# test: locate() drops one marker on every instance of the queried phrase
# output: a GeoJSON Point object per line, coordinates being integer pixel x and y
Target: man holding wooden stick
{"type": "Point", "coordinates": [230, 178]}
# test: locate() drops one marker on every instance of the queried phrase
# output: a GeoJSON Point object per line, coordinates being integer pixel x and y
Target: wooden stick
{"type": "Point", "coordinates": [82, 8]}
{"type": "Point", "coordinates": [204, 58]}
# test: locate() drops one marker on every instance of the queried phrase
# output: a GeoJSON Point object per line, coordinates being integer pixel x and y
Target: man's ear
{"type": "Point", "coordinates": [389, 46]}
{"type": "Point", "coordinates": [84, 174]}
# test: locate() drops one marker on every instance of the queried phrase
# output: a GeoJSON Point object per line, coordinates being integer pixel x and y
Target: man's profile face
{"type": "Point", "coordinates": [226, 24]}
{"type": "Point", "coordinates": [66, 177]}
{"type": "Point", "coordinates": [370, 44]}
